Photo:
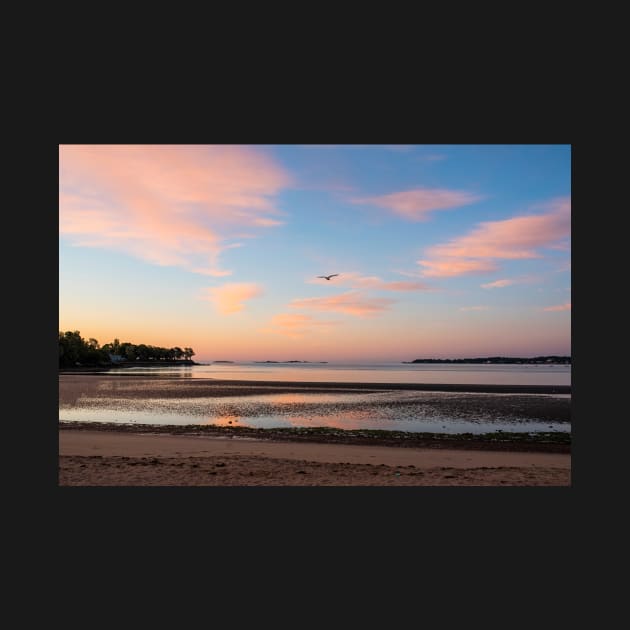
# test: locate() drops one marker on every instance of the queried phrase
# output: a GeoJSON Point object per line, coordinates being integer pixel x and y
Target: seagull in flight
{"type": "Point", "coordinates": [332, 275]}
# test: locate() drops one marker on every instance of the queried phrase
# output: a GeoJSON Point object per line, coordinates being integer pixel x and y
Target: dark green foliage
{"type": "Point", "coordinates": [74, 351]}
{"type": "Point", "coordinates": [504, 360]}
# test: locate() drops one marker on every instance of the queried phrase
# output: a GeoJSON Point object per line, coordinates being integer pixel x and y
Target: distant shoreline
{"type": "Point", "coordinates": [542, 360]}
{"type": "Point", "coordinates": [293, 361]}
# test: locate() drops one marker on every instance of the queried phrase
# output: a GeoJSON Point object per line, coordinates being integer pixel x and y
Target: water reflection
{"type": "Point", "coordinates": [422, 424]}
{"type": "Point", "coordinates": [225, 420]}
{"type": "Point", "coordinates": [367, 373]}
{"type": "Point", "coordinates": [71, 390]}
{"type": "Point", "coordinates": [97, 401]}
{"type": "Point", "coordinates": [281, 399]}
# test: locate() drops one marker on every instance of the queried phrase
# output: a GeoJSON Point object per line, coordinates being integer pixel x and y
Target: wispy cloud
{"type": "Point", "coordinates": [211, 271]}
{"type": "Point", "coordinates": [453, 267]}
{"type": "Point", "coordinates": [266, 222]}
{"type": "Point", "coordinates": [498, 284]}
{"type": "Point", "coordinates": [351, 303]}
{"type": "Point", "coordinates": [355, 280]}
{"type": "Point", "coordinates": [516, 238]}
{"type": "Point", "coordinates": [508, 282]}
{"type": "Point", "coordinates": [473, 308]}
{"type": "Point", "coordinates": [559, 307]}
{"type": "Point", "coordinates": [168, 205]}
{"type": "Point", "coordinates": [296, 326]}
{"type": "Point", "coordinates": [417, 204]}
{"type": "Point", "coordinates": [229, 298]}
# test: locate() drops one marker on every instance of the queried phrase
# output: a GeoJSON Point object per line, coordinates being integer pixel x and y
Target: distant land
{"type": "Point", "coordinates": [290, 361]}
{"type": "Point", "coordinates": [552, 359]}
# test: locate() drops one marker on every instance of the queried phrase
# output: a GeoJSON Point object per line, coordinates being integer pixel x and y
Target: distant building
{"type": "Point", "coordinates": [116, 358]}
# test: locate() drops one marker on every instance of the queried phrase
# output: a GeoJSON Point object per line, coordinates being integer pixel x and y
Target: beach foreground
{"type": "Point", "coordinates": [125, 457]}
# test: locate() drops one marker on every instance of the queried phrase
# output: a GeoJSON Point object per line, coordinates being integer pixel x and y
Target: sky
{"type": "Point", "coordinates": [441, 251]}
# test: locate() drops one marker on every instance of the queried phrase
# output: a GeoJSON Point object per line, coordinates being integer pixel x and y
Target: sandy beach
{"type": "Point", "coordinates": [124, 454]}
{"type": "Point", "coordinates": [126, 458]}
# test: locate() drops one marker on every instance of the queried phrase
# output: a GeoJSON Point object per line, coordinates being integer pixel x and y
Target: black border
{"type": "Point", "coordinates": [484, 517]}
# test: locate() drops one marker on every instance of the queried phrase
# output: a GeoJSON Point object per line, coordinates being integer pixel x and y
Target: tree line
{"type": "Point", "coordinates": [529, 360]}
{"type": "Point", "coordinates": [73, 350]}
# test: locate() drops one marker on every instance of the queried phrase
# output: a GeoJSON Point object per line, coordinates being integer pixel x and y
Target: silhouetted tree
{"type": "Point", "coordinates": [73, 350]}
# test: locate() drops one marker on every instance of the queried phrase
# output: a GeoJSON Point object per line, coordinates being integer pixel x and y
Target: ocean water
{"type": "Point", "coordinates": [369, 373]}
{"type": "Point", "coordinates": [136, 396]}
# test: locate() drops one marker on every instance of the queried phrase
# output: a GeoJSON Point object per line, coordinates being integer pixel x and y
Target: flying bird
{"type": "Point", "coordinates": [332, 275]}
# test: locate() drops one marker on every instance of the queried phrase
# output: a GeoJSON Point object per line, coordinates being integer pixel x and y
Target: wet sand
{"type": "Point", "coordinates": [107, 454]}
{"type": "Point", "coordinates": [458, 402]}
{"type": "Point", "coordinates": [126, 458]}
{"type": "Point", "coordinates": [140, 384]}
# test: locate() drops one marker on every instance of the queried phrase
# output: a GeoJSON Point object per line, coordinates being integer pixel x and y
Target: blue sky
{"type": "Point", "coordinates": [441, 250]}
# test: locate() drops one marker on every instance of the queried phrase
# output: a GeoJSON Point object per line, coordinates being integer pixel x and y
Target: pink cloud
{"type": "Point", "coordinates": [497, 284]}
{"type": "Point", "coordinates": [507, 282]}
{"type": "Point", "coordinates": [473, 308]}
{"type": "Point", "coordinates": [295, 325]}
{"type": "Point", "coordinates": [417, 204]}
{"type": "Point", "coordinates": [560, 307]}
{"type": "Point", "coordinates": [563, 246]}
{"type": "Point", "coordinates": [454, 267]}
{"type": "Point", "coordinates": [265, 222]}
{"type": "Point", "coordinates": [166, 204]}
{"type": "Point", "coordinates": [217, 273]}
{"type": "Point", "coordinates": [355, 280]}
{"type": "Point", "coordinates": [516, 238]}
{"type": "Point", "coordinates": [229, 298]}
{"type": "Point", "coordinates": [351, 303]}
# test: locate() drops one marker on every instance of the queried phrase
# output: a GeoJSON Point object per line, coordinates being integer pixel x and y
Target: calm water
{"type": "Point", "coordinates": [375, 373]}
{"type": "Point", "coordinates": [112, 397]}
